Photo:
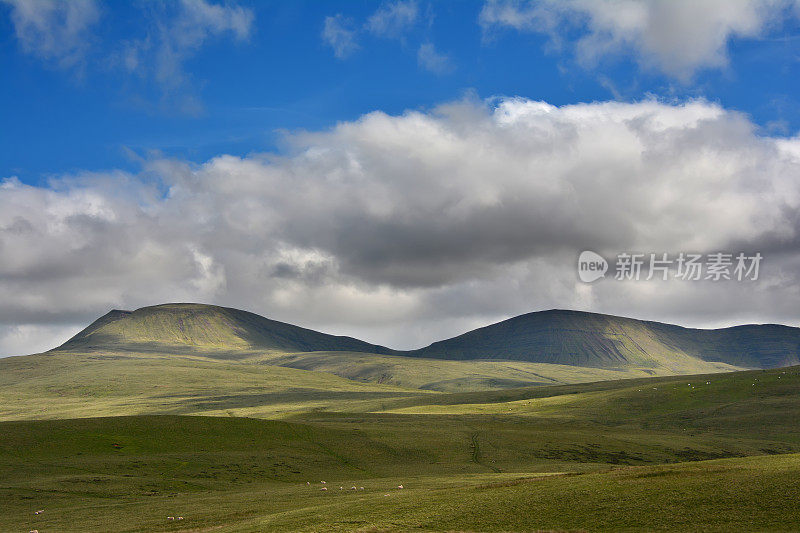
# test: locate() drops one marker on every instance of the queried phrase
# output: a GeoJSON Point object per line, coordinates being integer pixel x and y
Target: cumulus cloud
{"type": "Point", "coordinates": [403, 229]}
{"type": "Point", "coordinates": [678, 37]}
{"type": "Point", "coordinates": [393, 18]}
{"type": "Point", "coordinates": [433, 61]}
{"type": "Point", "coordinates": [338, 33]}
{"type": "Point", "coordinates": [53, 30]}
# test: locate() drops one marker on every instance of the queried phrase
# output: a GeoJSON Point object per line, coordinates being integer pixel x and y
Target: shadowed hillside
{"type": "Point", "coordinates": [595, 340]}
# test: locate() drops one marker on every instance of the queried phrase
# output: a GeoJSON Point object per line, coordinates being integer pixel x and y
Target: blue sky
{"type": "Point", "coordinates": [94, 114]}
{"type": "Point", "coordinates": [397, 170]}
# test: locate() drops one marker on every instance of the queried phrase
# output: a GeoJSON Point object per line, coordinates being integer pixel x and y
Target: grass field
{"type": "Point", "coordinates": [462, 376]}
{"type": "Point", "coordinates": [78, 385]}
{"type": "Point", "coordinates": [717, 452]}
{"type": "Point", "coordinates": [229, 474]}
{"type": "Point", "coordinates": [69, 385]}
{"type": "Point", "coordinates": [173, 413]}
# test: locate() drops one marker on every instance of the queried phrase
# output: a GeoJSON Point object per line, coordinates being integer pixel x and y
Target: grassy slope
{"type": "Point", "coordinates": [626, 422]}
{"type": "Point", "coordinates": [181, 327]}
{"type": "Point", "coordinates": [632, 499]}
{"type": "Point", "coordinates": [774, 390]}
{"type": "Point", "coordinates": [590, 339]}
{"type": "Point", "coordinates": [458, 459]}
{"type": "Point", "coordinates": [67, 385]}
{"type": "Point", "coordinates": [457, 376]}
{"type": "Point", "coordinates": [461, 456]}
{"type": "Point", "coordinates": [238, 475]}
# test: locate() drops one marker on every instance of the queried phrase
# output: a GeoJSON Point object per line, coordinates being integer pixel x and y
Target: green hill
{"type": "Point", "coordinates": [604, 341]}
{"type": "Point", "coordinates": [542, 348]}
{"type": "Point", "coordinates": [187, 326]}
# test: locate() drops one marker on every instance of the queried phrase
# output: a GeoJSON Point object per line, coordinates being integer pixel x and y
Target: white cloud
{"type": "Point", "coordinates": [403, 229]}
{"type": "Point", "coordinates": [175, 33]}
{"type": "Point", "coordinates": [54, 30]}
{"type": "Point", "coordinates": [678, 37]}
{"type": "Point", "coordinates": [393, 18]}
{"type": "Point", "coordinates": [390, 20]}
{"type": "Point", "coordinates": [33, 338]}
{"type": "Point", "coordinates": [61, 31]}
{"type": "Point", "coordinates": [433, 61]}
{"type": "Point", "coordinates": [339, 35]}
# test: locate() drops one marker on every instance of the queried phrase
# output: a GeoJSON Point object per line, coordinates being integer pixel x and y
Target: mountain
{"type": "Point", "coordinates": [556, 337]}
{"type": "Point", "coordinates": [198, 327]}
{"type": "Point", "coordinates": [605, 341]}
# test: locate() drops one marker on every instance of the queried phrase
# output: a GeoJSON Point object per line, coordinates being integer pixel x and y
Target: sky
{"type": "Point", "coordinates": [400, 171]}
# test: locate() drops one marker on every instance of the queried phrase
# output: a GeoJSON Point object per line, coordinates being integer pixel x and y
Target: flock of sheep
{"type": "Point", "coordinates": [171, 518]}
{"type": "Point", "coordinates": [342, 488]}
{"type": "Point", "coordinates": [40, 511]}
